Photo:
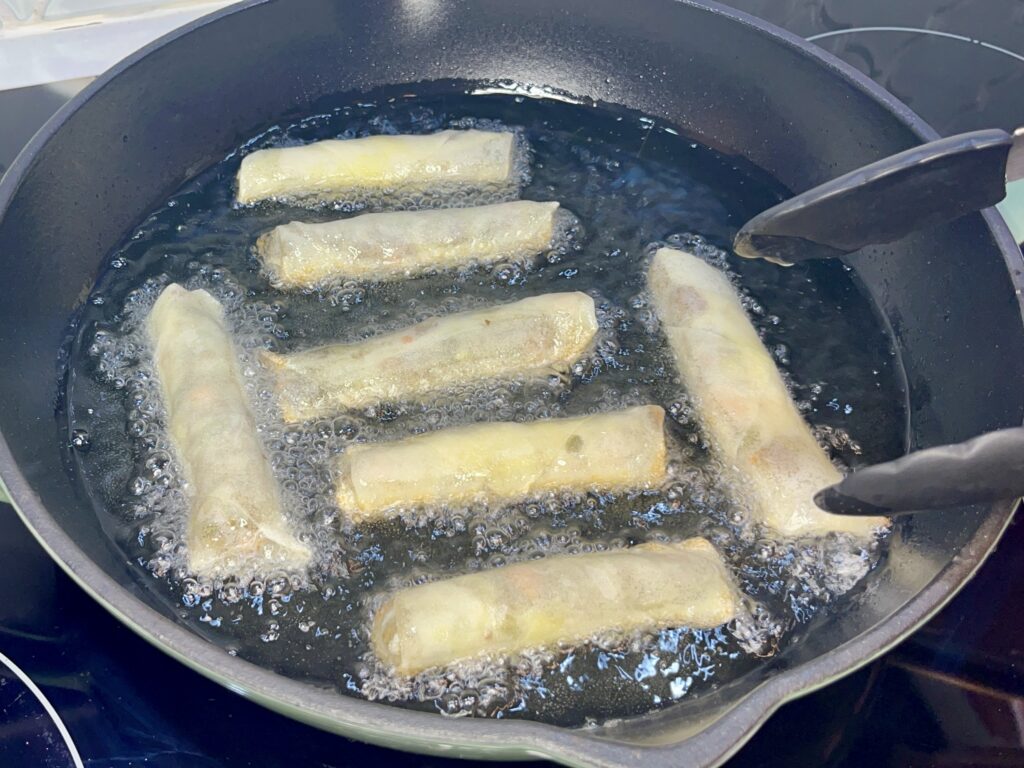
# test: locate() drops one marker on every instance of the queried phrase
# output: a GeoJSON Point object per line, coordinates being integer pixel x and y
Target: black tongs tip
{"type": "Point", "coordinates": [832, 499]}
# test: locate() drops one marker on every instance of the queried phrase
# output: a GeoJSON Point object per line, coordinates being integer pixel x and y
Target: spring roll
{"type": "Point", "coordinates": [403, 244]}
{"type": "Point", "coordinates": [337, 169]}
{"type": "Point", "coordinates": [560, 599]}
{"type": "Point", "coordinates": [533, 337]}
{"type": "Point", "coordinates": [504, 461]}
{"type": "Point", "coordinates": [774, 462]}
{"type": "Point", "coordinates": [235, 524]}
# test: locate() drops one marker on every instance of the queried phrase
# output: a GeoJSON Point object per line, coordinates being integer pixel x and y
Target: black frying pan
{"type": "Point", "coordinates": [732, 82]}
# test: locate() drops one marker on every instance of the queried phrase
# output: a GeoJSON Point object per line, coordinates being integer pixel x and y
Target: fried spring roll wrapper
{"type": "Point", "coordinates": [388, 246]}
{"type": "Point", "coordinates": [504, 461]}
{"type": "Point", "coordinates": [532, 337]}
{"type": "Point", "coordinates": [776, 464]}
{"type": "Point", "coordinates": [560, 599]}
{"type": "Point", "coordinates": [235, 524]}
{"type": "Point", "coordinates": [332, 169]}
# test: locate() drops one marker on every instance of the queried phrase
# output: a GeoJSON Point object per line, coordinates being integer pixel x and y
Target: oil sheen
{"type": "Point", "coordinates": [628, 182]}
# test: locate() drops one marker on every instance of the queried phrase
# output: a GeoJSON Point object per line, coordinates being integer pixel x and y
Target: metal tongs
{"type": "Point", "coordinates": [879, 203]}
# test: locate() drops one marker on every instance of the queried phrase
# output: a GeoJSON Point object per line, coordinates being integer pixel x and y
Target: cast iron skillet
{"type": "Point", "coordinates": [125, 143]}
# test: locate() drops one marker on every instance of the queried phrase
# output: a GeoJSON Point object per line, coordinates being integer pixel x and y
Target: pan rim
{"type": "Point", "coordinates": [427, 732]}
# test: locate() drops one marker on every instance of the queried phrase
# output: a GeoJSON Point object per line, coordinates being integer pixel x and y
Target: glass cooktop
{"type": "Point", "coordinates": [77, 688]}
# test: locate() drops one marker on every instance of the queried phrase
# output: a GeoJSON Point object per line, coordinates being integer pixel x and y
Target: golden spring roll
{"type": "Point", "coordinates": [504, 461]}
{"type": "Point", "coordinates": [403, 244]}
{"type": "Point", "coordinates": [750, 419]}
{"type": "Point", "coordinates": [334, 169]}
{"type": "Point", "coordinates": [558, 599]}
{"type": "Point", "coordinates": [235, 525]}
{"type": "Point", "coordinates": [531, 337]}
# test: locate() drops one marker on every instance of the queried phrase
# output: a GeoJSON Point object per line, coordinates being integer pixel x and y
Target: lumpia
{"type": "Point", "coordinates": [504, 461]}
{"type": "Point", "coordinates": [403, 244]}
{"type": "Point", "coordinates": [772, 458]}
{"type": "Point", "coordinates": [531, 337]}
{"type": "Point", "coordinates": [558, 599]}
{"type": "Point", "coordinates": [334, 169]}
{"type": "Point", "coordinates": [235, 525]}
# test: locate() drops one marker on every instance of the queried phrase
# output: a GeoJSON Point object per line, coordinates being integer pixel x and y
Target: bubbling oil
{"type": "Point", "coordinates": [629, 183]}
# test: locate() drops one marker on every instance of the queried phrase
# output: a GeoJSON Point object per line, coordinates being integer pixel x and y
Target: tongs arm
{"type": "Point", "coordinates": [985, 469]}
{"type": "Point", "coordinates": [881, 202]}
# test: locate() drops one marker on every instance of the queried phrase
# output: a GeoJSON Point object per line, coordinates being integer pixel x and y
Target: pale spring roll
{"type": "Point", "coordinates": [775, 464]}
{"type": "Point", "coordinates": [504, 461]}
{"type": "Point", "coordinates": [335, 169]}
{"type": "Point", "coordinates": [403, 244]}
{"type": "Point", "coordinates": [528, 338]}
{"type": "Point", "coordinates": [235, 524]}
{"type": "Point", "coordinates": [560, 599]}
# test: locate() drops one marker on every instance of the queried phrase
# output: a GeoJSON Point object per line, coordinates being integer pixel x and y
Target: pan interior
{"type": "Point", "coordinates": [631, 181]}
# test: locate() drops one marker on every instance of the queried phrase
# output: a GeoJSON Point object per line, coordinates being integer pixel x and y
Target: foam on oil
{"type": "Point", "coordinates": [629, 184]}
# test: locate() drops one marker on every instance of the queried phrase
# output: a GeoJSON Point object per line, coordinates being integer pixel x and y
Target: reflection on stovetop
{"type": "Point", "coordinates": [958, 63]}
{"type": "Point", "coordinates": [952, 695]}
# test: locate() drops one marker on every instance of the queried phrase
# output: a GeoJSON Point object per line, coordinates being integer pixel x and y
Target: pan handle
{"type": "Point", "coordinates": [881, 202]}
{"type": "Point", "coordinates": [985, 469]}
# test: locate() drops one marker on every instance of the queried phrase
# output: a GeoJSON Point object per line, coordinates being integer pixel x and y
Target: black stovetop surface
{"type": "Point", "coordinates": [953, 695]}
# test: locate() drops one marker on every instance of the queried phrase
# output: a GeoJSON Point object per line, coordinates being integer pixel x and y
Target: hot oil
{"type": "Point", "coordinates": [630, 182]}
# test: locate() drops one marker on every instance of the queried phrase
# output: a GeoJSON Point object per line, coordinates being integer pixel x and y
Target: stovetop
{"type": "Point", "coordinates": [952, 695]}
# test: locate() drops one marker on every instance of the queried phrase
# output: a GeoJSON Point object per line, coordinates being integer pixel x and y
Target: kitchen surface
{"type": "Point", "coordinates": [82, 689]}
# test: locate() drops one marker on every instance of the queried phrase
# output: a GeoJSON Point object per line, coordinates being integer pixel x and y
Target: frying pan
{"type": "Point", "coordinates": [949, 294]}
